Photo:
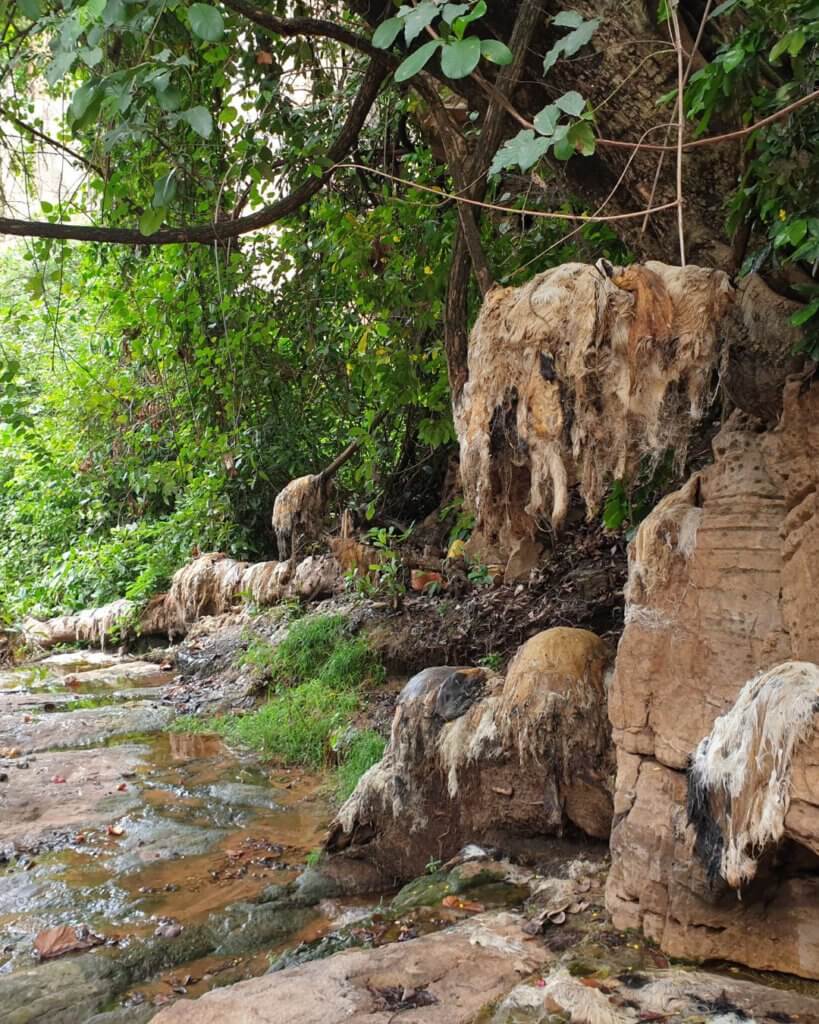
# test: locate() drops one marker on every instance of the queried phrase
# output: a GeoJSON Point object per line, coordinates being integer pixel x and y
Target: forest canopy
{"type": "Point", "coordinates": [238, 236]}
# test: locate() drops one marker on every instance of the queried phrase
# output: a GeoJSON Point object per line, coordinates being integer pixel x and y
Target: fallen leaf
{"type": "Point", "coordinates": [9, 752]}
{"type": "Point", "coordinates": [57, 778]}
{"type": "Point", "coordinates": [122, 787]}
{"type": "Point", "coordinates": [457, 903]}
{"type": "Point", "coordinates": [62, 939]}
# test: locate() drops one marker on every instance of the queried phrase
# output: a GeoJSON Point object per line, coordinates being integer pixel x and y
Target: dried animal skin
{"type": "Point", "coordinates": [574, 378]}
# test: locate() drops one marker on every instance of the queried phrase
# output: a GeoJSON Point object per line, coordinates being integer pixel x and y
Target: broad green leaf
{"type": "Point", "coordinates": [460, 58]}
{"type": "Point", "coordinates": [453, 11]}
{"type": "Point", "coordinates": [91, 55]}
{"type": "Point", "coordinates": [581, 137]}
{"type": "Point", "coordinates": [546, 120]}
{"type": "Point", "coordinates": [418, 18]}
{"type": "Point", "coordinates": [577, 39]}
{"type": "Point", "coordinates": [552, 56]}
{"type": "Point", "coordinates": [58, 68]}
{"type": "Point", "coordinates": [563, 146]}
{"type": "Point", "coordinates": [206, 22]}
{"type": "Point", "coordinates": [416, 60]}
{"type": "Point", "coordinates": [495, 51]}
{"type": "Point", "coordinates": [568, 19]}
{"type": "Point", "coordinates": [796, 43]}
{"type": "Point", "coordinates": [723, 8]}
{"type": "Point", "coordinates": [387, 32]}
{"type": "Point", "coordinates": [571, 103]}
{"type": "Point", "coordinates": [169, 99]}
{"type": "Point", "coordinates": [83, 100]}
{"type": "Point", "coordinates": [524, 151]}
{"type": "Point", "coordinates": [790, 43]}
{"type": "Point", "coordinates": [199, 119]}
{"type": "Point", "coordinates": [803, 315]}
{"type": "Point", "coordinates": [151, 221]}
{"type": "Point", "coordinates": [732, 58]}
{"type": "Point", "coordinates": [796, 231]}
{"type": "Point", "coordinates": [460, 25]}
{"type": "Point", "coordinates": [115, 13]}
{"type": "Point", "coordinates": [31, 8]}
{"type": "Point", "coordinates": [164, 189]}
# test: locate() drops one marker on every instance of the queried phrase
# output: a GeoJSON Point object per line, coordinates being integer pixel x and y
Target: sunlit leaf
{"type": "Point", "coordinates": [206, 22]}
{"type": "Point", "coordinates": [199, 119]}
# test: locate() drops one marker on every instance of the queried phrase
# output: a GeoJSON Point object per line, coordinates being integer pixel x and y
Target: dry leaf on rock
{"type": "Point", "coordinates": [64, 938]}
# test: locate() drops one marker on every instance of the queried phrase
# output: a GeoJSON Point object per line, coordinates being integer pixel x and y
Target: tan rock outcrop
{"type": "Point", "coordinates": [722, 586]}
{"type": "Point", "coordinates": [455, 973]}
{"type": "Point", "coordinates": [476, 758]}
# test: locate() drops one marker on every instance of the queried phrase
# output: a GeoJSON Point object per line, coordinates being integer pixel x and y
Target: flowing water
{"type": "Point", "coordinates": [110, 822]}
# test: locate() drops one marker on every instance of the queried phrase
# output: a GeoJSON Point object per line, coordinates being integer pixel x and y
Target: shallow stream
{"type": "Point", "coordinates": [110, 822]}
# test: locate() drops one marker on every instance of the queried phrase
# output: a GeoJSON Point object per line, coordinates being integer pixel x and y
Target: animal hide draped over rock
{"type": "Point", "coordinates": [93, 626]}
{"type": "Point", "coordinates": [576, 377]}
{"type": "Point", "coordinates": [211, 584]}
{"type": "Point", "coordinates": [476, 758]}
{"type": "Point", "coordinates": [739, 782]}
{"type": "Point", "coordinates": [297, 513]}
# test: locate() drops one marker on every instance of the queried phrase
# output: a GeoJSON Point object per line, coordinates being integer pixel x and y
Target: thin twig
{"type": "Point", "coordinates": [442, 195]}
{"type": "Point", "coordinates": [675, 22]}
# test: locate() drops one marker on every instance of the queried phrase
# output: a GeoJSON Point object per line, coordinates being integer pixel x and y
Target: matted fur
{"type": "Point", "coordinates": [575, 377]}
{"type": "Point", "coordinates": [94, 626]}
{"type": "Point", "coordinates": [297, 513]}
{"type": "Point", "coordinates": [739, 779]}
{"type": "Point", "coordinates": [547, 719]}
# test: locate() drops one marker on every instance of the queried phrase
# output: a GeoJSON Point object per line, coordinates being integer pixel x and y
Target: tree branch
{"type": "Point", "coordinates": [217, 231]}
{"type": "Point", "coordinates": [455, 316]}
{"type": "Point", "coordinates": [307, 27]}
{"type": "Point", "coordinates": [37, 134]}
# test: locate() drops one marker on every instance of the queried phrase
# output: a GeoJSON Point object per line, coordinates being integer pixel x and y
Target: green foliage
{"type": "Point", "coordinates": [479, 574]}
{"type": "Point", "coordinates": [317, 674]}
{"type": "Point", "coordinates": [628, 504]}
{"type": "Point", "coordinates": [460, 53]}
{"type": "Point", "coordinates": [295, 725]}
{"type": "Point", "coordinates": [386, 576]}
{"type": "Point", "coordinates": [563, 139]}
{"type": "Point", "coordinates": [317, 646]}
{"type": "Point", "coordinates": [767, 61]}
{"type": "Point", "coordinates": [365, 750]}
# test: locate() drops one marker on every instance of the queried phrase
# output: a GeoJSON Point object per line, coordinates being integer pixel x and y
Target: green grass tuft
{"type": "Point", "coordinates": [318, 672]}
{"type": "Point", "coordinates": [366, 749]}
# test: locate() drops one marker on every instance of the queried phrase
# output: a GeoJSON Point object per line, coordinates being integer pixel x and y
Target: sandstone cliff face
{"type": "Point", "coordinates": [723, 584]}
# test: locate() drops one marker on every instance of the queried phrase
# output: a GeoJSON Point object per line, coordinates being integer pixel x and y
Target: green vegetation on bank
{"type": "Point", "coordinates": [316, 677]}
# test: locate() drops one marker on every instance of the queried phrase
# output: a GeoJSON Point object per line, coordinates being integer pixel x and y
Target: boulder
{"type": "Point", "coordinates": [477, 758]}
{"type": "Point", "coordinates": [722, 588]}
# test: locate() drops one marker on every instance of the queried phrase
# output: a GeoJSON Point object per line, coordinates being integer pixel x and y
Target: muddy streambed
{"type": "Point", "coordinates": [146, 838]}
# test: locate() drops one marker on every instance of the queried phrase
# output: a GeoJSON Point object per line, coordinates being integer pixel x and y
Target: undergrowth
{"type": "Point", "coordinates": [316, 676]}
{"type": "Point", "coordinates": [365, 750]}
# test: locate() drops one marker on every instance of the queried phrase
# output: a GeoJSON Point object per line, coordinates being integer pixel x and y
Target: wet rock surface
{"type": "Point", "coordinates": [163, 849]}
